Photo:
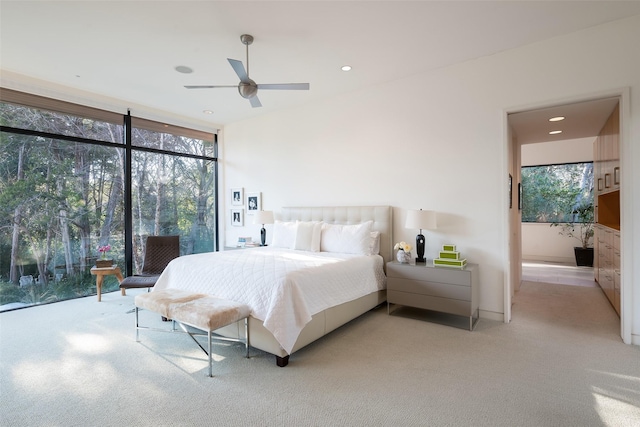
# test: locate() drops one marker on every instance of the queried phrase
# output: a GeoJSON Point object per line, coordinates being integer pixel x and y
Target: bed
{"type": "Point", "coordinates": [298, 290]}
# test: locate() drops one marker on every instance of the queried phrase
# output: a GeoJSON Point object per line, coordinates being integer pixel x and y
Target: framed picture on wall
{"type": "Point", "coordinates": [254, 203]}
{"type": "Point", "coordinates": [237, 196]}
{"type": "Point", "coordinates": [520, 196]}
{"type": "Point", "coordinates": [237, 217]}
{"type": "Point", "coordinates": [510, 191]}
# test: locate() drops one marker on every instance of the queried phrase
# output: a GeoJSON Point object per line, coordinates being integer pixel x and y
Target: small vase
{"type": "Point", "coordinates": [403, 257]}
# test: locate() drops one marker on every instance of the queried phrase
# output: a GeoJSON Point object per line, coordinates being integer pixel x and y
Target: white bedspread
{"type": "Point", "coordinates": [284, 288]}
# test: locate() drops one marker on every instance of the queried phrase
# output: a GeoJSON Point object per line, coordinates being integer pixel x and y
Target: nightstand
{"type": "Point", "coordinates": [442, 289]}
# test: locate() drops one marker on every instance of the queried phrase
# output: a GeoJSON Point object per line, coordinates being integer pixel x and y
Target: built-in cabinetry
{"type": "Point", "coordinates": [606, 155]}
{"type": "Point", "coordinates": [606, 172]}
{"type": "Point", "coordinates": [607, 263]}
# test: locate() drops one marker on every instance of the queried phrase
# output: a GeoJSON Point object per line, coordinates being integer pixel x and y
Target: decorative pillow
{"type": "Point", "coordinates": [308, 236]}
{"type": "Point", "coordinates": [374, 245]}
{"type": "Point", "coordinates": [284, 234]}
{"type": "Point", "coordinates": [348, 239]}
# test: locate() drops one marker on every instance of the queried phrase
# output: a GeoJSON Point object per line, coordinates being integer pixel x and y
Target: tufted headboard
{"type": "Point", "coordinates": [382, 217]}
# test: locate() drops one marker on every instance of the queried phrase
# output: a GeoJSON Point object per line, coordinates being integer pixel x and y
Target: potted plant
{"type": "Point", "coordinates": [581, 228]}
{"type": "Point", "coordinates": [104, 261]}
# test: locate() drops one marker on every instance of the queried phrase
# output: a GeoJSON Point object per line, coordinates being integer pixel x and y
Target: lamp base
{"type": "Point", "coordinates": [420, 248]}
{"type": "Point", "coordinates": [263, 237]}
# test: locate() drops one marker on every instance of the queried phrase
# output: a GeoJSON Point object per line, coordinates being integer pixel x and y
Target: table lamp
{"type": "Point", "coordinates": [263, 217]}
{"type": "Point", "coordinates": [422, 220]}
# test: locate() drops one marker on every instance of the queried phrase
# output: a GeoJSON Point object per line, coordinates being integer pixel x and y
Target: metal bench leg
{"type": "Point", "coordinates": [210, 358]}
{"type": "Point", "coordinates": [137, 326]}
{"type": "Point", "coordinates": [246, 334]}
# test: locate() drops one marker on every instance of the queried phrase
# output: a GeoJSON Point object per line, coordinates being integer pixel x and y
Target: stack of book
{"type": "Point", "coordinates": [244, 242]}
{"type": "Point", "coordinates": [450, 257]}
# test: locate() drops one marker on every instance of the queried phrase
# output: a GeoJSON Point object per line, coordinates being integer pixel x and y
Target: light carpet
{"type": "Point", "coordinates": [560, 362]}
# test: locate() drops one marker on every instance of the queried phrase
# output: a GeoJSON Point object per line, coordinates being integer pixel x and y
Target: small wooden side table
{"type": "Point", "coordinates": [106, 271]}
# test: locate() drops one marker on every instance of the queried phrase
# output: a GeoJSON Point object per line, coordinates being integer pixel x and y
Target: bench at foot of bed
{"type": "Point", "coordinates": [199, 311]}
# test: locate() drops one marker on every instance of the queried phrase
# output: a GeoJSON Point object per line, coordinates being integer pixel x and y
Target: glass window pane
{"type": "Point", "coordinates": [21, 117]}
{"type": "Point", "coordinates": [173, 196]}
{"type": "Point", "coordinates": [59, 201]}
{"type": "Point", "coordinates": [148, 134]}
{"type": "Point", "coordinates": [553, 193]}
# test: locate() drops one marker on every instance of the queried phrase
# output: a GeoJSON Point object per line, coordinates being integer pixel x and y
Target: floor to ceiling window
{"type": "Point", "coordinates": [75, 179]}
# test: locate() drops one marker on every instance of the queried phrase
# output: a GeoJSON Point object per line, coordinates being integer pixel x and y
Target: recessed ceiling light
{"type": "Point", "coordinates": [184, 69]}
{"type": "Point", "coordinates": [207, 112]}
{"type": "Point", "coordinates": [346, 68]}
{"type": "Point", "coordinates": [556, 119]}
{"type": "Point", "coordinates": [555, 132]}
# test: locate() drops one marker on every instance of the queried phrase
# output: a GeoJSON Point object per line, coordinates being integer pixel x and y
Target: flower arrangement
{"type": "Point", "coordinates": [103, 250]}
{"type": "Point", "coordinates": [402, 246]}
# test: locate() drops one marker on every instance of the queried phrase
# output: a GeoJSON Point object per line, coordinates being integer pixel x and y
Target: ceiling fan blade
{"type": "Point", "coordinates": [285, 86]}
{"type": "Point", "coordinates": [239, 69]}
{"type": "Point", "coordinates": [255, 102]}
{"type": "Point", "coordinates": [208, 86]}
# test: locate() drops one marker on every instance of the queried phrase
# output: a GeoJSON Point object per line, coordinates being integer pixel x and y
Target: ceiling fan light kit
{"type": "Point", "coordinates": [248, 88]}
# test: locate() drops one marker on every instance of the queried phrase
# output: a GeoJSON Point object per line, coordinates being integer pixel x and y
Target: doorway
{"type": "Point", "coordinates": [582, 120]}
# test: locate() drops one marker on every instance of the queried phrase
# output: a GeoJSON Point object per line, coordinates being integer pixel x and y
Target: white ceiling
{"type": "Point", "coordinates": [128, 50]}
{"type": "Point", "coordinates": [581, 120]}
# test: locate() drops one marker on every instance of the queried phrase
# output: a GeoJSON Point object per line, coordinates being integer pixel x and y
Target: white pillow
{"type": "Point", "coordinates": [374, 245]}
{"type": "Point", "coordinates": [348, 239]}
{"type": "Point", "coordinates": [284, 234]}
{"type": "Point", "coordinates": [308, 236]}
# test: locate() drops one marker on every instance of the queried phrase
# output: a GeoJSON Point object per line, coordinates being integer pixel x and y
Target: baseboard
{"type": "Point", "coordinates": [491, 315]}
{"type": "Point", "coordinates": [554, 260]}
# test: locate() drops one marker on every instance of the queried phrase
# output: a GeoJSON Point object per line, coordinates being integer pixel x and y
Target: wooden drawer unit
{"type": "Point", "coordinates": [443, 289]}
{"type": "Point", "coordinates": [608, 264]}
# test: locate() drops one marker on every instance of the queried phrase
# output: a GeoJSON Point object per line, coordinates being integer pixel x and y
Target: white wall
{"type": "Point", "coordinates": [539, 241]}
{"type": "Point", "coordinates": [558, 152]}
{"type": "Point", "coordinates": [442, 145]}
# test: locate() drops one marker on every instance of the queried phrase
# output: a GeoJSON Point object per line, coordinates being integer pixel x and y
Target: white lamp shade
{"type": "Point", "coordinates": [263, 217]}
{"type": "Point", "coordinates": [424, 220]}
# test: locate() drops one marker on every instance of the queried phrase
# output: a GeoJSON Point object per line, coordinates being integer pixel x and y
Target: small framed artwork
{"type": "Point", "coordinates": [237, 217]}
{"type": "Point", "coordinates": [237, 196]}
{"type": "Point", "coordinates": [519, 196]}
{"type": "Point", "coordinates": [510, 191]}
{"type": "Point", "coordinates": [254, 203]}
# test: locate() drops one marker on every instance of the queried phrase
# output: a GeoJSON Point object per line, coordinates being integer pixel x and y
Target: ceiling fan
{"type": "Point", "coordinates": [248, 88]}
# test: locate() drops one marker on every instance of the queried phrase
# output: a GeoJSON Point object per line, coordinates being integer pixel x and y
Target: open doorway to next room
{"type": "Point", "coordinates": [565, 134]}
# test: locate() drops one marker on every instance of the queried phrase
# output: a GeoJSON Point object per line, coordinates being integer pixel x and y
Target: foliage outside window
{"type": "Point", "coordinates": [553, 193]}
{"type": "Point", "coordinates": [62, 190]}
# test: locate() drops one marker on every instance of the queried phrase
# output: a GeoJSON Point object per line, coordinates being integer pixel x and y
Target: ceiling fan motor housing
{"type": "Point", "coordinates": [248, 89]}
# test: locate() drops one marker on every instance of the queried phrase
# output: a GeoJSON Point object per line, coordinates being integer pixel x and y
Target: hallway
{"type": "Point", "coordinates": [558, 273]}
